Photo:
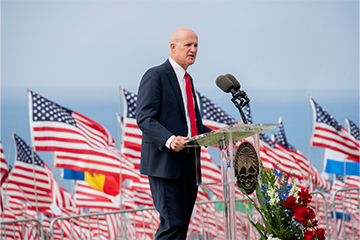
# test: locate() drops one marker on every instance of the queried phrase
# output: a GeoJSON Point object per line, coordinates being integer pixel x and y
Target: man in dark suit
{"type": "Point", "coordinates": [167, 113]}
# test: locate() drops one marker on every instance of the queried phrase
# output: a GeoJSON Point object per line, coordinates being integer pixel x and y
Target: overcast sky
{"type": "Point", "coordinates": [76, 52]}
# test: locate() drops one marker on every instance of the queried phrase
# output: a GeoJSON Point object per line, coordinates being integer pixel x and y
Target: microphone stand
{"type": "Point", "coordinates": [240, 105]}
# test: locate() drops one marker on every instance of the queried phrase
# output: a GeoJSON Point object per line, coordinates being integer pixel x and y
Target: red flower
{"type": "Point", "coordinates": [305, 197]}
{"type": "Point", "coordinates": [309, 234]}
{"type": "Point", "coordinates": [303, 214]}
{"type": "Point", "coordinates": [315, 223]}
{"type": "Point", "coordinates": [290, 203]}
{"type": "Point", "coordinates": [312, 214]}
{"type": "Point", "coordinates": [320, 233]}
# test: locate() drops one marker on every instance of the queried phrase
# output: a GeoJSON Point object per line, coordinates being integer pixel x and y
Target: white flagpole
{"type": "Point", "coordinates": [33, 162]}
{"type": "Point", "coordinates": [310, 172]}
{"type": "Point", "coordinates": [120, 124]}
{"type": "Point", "coordinates": [32, 149]}
{"type": "Point", "coordinates": [120, 146]}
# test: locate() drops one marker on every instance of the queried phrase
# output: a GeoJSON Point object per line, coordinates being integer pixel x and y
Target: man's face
{"type": "Point", "coordinates": [185, 49]}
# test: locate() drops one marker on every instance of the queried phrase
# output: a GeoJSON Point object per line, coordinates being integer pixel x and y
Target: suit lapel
{"type": "Point", "coordinates": [175, 85]}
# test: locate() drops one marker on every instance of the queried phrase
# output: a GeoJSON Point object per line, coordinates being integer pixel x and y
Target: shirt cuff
{"type": "Point", "coordinates": [167, 144]}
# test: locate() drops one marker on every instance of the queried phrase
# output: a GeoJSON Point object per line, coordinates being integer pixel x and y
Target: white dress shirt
{"type": "Point", "coordinates": [180, 74]}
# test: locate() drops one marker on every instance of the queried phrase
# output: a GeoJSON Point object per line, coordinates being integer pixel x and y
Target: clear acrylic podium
{"type": "Point", "coordinates": [225, 138]}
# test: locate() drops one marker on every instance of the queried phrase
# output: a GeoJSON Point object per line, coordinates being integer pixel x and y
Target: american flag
{"type": "Point", "coordinates": [80, 143]}
{"type": "Point", "coordinates": [3, 166]}
{"type": "Point", "coordinates": [211, 173]}
{"type": "Point", "coordinates": [300, 159]}
{"type": "Point", "coordinates": [267, 155]}
{"type": "Point", "coordinates": [4, 172]}
{"type": "Point", "coordinates": [347, 206]}
{"type": "Point", "coordinates": [352, 128]}
{"type": "Point", "coordinates": [63, 201]}
{"type": "Point", "coordinates": [279, 156]}
{"type": "Point", "coordinates": [212, 115]}
{"type": "Point", "coordinates": [247, 112]}
{"type": "Point", "coordinates": [22, 176]}
{"type": "Point", "coordinates": [131, 148]}
{"type": "Point", "coordinates": [88, 197]}
{"type": "Point", "coordinates": [319, 180]}
{"type": "Point", "coordinates": [328, 133]}
{"type": "Point", "coordinates": [132, 135]}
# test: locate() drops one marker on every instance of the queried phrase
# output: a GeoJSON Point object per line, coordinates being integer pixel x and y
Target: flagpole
{"type": "Point", "coordinates": [309, 130]}
{"type": "Point", "coordinates": [33, 162]}
{"type": "Point", "coordinates": [120, 147]}
{"type": "Point", "coordinates": [120, 144]}
{"type": "Point", "coordinates": [309, 153]}
{"type": "Point", "coordinates": [32, 151]}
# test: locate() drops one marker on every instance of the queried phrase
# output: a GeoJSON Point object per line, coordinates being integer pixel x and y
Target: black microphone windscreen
{"type": "Point", "coordinates": [224, 83]}
{"type": "Point", "coordinates": [234, 81]}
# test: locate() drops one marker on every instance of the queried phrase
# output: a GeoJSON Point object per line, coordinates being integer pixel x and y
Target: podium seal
{"type": "Point", "coordinates": [246, 167]}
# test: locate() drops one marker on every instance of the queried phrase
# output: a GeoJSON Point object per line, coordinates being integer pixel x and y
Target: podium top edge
{"type": "Point", "coordinates": [241, 130]}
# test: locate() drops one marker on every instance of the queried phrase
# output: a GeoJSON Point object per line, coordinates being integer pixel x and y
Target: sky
{"type": "Point", "coordinates": [79, 53]}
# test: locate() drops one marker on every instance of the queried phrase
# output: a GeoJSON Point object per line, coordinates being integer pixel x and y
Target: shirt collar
{"type": "Point", "coordinates": [179, 71]}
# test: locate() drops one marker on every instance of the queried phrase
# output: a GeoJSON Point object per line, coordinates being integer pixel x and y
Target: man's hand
{"type": "Point", "coordinates": [178, 143]}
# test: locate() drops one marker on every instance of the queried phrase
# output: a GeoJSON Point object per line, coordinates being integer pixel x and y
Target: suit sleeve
{"type": "Point", "coordinates": [147, 109]}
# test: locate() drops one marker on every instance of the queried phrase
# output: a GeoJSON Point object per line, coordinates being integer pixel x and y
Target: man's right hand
{"type": "Point", "coordinates": [178, 143]}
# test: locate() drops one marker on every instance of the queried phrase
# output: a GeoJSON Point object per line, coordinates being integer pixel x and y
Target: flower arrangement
{"type": "Point", "coordinates": [284, 208]}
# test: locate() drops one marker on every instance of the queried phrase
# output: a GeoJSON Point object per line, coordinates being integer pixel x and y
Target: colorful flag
{"type": "Point", "coordinates": [328, 133]}
{"type": "Point", "coordinates": [339, 163]}
{"type": "Point", "coordinates": [80, 143]}
{"type": "Point", "coordinates": [72, 174]}
{"type": "Point", "coordinates": [107, 184]}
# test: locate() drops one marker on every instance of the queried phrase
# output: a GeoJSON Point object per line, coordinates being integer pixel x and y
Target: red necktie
{"type": "Point", "coordinates": [190, 103]}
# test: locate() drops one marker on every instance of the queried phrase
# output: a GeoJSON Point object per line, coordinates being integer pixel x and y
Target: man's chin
{"type": "Point", "coordinates": [191, 62]}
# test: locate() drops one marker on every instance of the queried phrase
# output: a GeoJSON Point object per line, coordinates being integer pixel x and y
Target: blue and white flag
{"type": "Point", "coordinates": [339, 163]}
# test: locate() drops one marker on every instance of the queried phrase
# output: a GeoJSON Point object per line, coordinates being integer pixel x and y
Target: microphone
{"type": "Point", "coordinates": [228, 83]}
{"type": "Point", "coordinates": [234, 81]}
{"type": "Point", "coordinates": [224, 83]}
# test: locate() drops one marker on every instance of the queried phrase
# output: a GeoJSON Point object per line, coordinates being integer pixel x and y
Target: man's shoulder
{"type": "Point", "coordinates": [159, 69]}
{"type": "Point", "coordinates": [164, 65]}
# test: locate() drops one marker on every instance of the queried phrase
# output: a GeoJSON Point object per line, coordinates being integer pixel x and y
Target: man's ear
{"type": "Point", "coordinates": [172, 47]}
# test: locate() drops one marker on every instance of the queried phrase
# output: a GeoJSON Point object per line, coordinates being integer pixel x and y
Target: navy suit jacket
{"type": "Point", "coordinates": [160, 113]}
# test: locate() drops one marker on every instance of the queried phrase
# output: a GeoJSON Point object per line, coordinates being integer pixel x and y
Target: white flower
{"type": "Point", "coordinates": [294, 190]}
{"type": "Point", "coordinates": [274, 197]}
{"type": "Point", "coordinates": [272, 238]}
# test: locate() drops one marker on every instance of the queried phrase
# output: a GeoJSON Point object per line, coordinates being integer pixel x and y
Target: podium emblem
{"type": "Point", "coordinates": [246, 167]}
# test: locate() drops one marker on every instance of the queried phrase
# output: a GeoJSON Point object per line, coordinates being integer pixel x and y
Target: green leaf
{"type": "Point", "coordinates": [259, 195]}
{"type": "Point", "coordinates": [260, 230]}
{"type": "Point", "coordinates": [261, 227]}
